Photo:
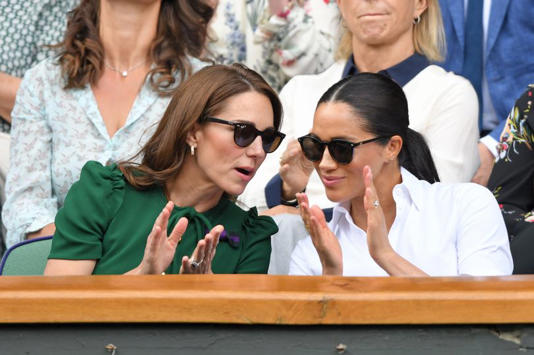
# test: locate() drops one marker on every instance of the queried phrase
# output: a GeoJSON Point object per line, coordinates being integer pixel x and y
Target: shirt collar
{"type": "Point", "coordinates": [402, 72]}
{"type": "Point", "coordinates": [410, 184]}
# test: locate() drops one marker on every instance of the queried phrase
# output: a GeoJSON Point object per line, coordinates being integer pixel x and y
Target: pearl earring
{"type": "Point", "coordinates": [192, 150]}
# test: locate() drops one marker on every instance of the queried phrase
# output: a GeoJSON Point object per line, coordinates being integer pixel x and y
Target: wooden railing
{"type": "Point", "coordinates": [262, 299]}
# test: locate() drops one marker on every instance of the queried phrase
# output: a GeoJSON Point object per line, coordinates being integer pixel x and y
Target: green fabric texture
{"type": "Point", "coordinates": [106, 219]}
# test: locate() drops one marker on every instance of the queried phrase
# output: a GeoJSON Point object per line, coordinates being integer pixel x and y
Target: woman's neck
{"type": "Point", "coordinates": [384, 184]}
{"type": "Point", "coordinates": [374, 58]}
{"type": "Point", "coordinates": [191, 188]}
{"type": "Point", "coordinates": [127, 29]}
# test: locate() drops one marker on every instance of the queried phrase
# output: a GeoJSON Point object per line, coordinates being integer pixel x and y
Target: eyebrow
{"type": "Point", "coordinates": [352, 140]}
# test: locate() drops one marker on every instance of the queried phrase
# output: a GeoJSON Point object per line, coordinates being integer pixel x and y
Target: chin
{"type": "Point", "coordinates": [234, 190]}
{"type": "Point", "coordinates": [336, 196]}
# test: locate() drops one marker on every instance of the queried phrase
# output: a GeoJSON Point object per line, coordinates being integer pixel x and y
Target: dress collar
{"type": "Point", "coordinates": [402, 72]}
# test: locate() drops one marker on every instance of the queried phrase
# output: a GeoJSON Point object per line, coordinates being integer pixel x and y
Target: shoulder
{"type": "Point", "coordinates": [46, 72]}
{"type": "Point", "coordinates": [197, 64]}
{"type": "Point", "coordinates": [315, 82]}
{"type": "Point", "coordinates": [440, 90]}
{"type": "Point", "coordinates": [464, 197]}
{"type": "Point", "coordinates": [442, 80]}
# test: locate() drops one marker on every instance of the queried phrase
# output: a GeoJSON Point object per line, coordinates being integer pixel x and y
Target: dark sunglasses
{"type": "Point", "coordinates": [246, 133]}
{"type": "Point", "coordinates": [340, 150]}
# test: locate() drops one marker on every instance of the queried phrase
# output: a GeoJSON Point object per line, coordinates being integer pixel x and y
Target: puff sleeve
{"type": "Point", "coordinates": [89, 207]}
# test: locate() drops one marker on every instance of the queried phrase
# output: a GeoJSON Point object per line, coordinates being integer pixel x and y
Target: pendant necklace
{"type": "Point", "coordinates": [124, 73]}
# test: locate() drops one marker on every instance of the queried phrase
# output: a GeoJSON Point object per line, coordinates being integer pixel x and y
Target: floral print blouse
{"type": "Point", "coordinates": [512, 178]}
{"type": "Point", "coordinates": [299, 40]}
{"type": "Point", "coordinates": [54, 133]}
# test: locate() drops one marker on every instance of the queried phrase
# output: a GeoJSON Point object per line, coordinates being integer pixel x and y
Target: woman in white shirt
{"type": "Point", "coordinates": [391, 218]}
{"type": "Point", "coordinates": [400, 38]}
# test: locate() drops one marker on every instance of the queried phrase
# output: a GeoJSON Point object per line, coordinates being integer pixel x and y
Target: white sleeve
{"type": "Point", "coordinates": [452, 131]}
{"type": "Point", "coordinates": [482, 242]}
{"type": "Point", "coordinates": [30, 204]}
{"type": "Point", "coordinates": [305, 260]}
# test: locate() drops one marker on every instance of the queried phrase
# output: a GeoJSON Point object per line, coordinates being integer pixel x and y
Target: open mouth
{"type": "Point", "coordinates": [244, 171]}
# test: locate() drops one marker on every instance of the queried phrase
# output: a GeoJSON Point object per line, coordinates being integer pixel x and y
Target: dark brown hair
{"type": "Point", "coordinates": [204, 94]}
{"type": "Point", "coordinates": [182, 31]}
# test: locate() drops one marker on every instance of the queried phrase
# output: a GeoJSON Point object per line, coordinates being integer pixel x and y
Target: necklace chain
{"type": "Point", "coordinates": [124, 73]}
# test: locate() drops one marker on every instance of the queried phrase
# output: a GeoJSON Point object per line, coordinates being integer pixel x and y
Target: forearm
{"type": "Point", "coordinates": [396, 265]}
{"type": "Point", "coordinates": [8, 91]}
{"type": "Point", "coordinates": [49, 229]}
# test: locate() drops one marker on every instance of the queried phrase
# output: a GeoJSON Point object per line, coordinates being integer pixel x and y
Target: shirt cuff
{"type": "Point", "coordinates": [490, 143]}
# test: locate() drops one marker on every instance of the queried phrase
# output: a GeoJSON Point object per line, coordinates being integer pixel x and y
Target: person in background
{"type": "Point", "coordinates": [512, 181]}
{"type": "Point", "coordinates": [25, 30]}
{"type": "Point", "coordinates": [490, 42]}
{"type": "Point", "coordinates": [99, 100]}
{"type": "Point", "coordinates": [392, 217]}
{"type": "Point", "coordinates": [216, 132]}
{"type": "Point", "coordinates": [278, 38]}
{"type": "Point", "coordinates": [400, 39]}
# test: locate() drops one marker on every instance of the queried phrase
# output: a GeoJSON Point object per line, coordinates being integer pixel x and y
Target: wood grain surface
{"type": "Point", "coordinates": [263, 299]}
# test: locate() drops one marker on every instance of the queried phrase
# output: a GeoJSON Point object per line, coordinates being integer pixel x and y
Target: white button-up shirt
{"type": "Point", "coordinates": [443, 229]}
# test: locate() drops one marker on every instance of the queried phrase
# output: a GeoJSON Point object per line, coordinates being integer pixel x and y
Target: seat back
{"type": "Point", "coordinates": [26, 258]}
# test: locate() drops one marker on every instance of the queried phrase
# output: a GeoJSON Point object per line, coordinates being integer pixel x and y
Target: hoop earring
{"type": "Point", "coordinates": [192, 150]}
{"type": "Point", "coordinates": [417, 20]}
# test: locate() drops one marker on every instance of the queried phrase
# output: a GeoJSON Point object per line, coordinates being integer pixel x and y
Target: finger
{"type": "Point", "coordinates": [186, 266]}
{"type": "Point", "coordinates": [304, 210]}
{"type": "Point", "coordinates": [198, 254]}
{"type": "Point", "coordinates": [165, 217]}
{"type": "Point", "coordinates": [370, 200]}
{"type": "Point", "coordinates": [217, 230]}
{"type": "Point", "coordinates": [161, 216]}
{"type": "Point", "coordinates": [318, 215]}
{"type": "Point", "coordinates": [152, 242]}
{"type": "Point", "coordinates": [210, 241]}
{"type": "Point", "coordinates": [178, 231]}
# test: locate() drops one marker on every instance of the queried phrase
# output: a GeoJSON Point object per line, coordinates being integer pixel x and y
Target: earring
{"type": "Point", "coordinates": [417, 20]}
{"type": "Point", "coordinates": [192, 150]}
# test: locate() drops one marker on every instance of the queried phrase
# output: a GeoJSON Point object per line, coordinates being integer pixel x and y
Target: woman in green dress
{"type": "Point", "coordinates": [174, 210]}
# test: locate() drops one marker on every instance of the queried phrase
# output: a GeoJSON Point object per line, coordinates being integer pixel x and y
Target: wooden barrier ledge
{"type": "Point", "coordinates": [263, 299]}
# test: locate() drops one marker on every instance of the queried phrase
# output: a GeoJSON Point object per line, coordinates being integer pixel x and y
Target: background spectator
{"type": "Point", "coordinates": [100, 100]}
{"type": "Point", "coordinates": [512, 181]}
{"type": "Point", "coordinates": [401, 42]}
{"type": "Point", "coordinates": [491, 43]}
{"type": "Point", "coordinates": [278, 38]}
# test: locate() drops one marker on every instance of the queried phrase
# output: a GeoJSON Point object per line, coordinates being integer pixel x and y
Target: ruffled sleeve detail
{"type": "Point", "coordinates": [256, 250]}
{"type": "Point", "coordinates": [89, 207]}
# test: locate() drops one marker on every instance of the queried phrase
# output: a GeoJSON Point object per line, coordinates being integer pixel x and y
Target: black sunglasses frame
{"type": "Point", "coordinates": [334, 153]}
{"type": "Point", "coordinates": [268, 147]}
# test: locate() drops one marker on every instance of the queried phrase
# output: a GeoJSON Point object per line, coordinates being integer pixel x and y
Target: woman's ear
{"type": "Point", "coordinates": [420, 7]}
{"type": "Point", "coordinates": [393, 148]}
{"type": "Point", "coordinates": [193, 136]}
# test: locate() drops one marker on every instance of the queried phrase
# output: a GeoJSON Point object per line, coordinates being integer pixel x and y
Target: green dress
{"type": "Point", "coordinates": [106, 219]}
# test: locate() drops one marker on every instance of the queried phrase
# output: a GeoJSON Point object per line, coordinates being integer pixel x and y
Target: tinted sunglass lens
{"type": "Point", "coordinates": [244, 135]}
{"type": "Point", "coordinates": [312, 149]}
{"type": "Point", "coordinates": [341, 152]}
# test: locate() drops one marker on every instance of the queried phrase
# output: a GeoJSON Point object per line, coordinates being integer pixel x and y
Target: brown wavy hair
{"type": "Point", "coordinates": [182, 31]}
{"type": "Point", "coordinates": [204, 94]}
